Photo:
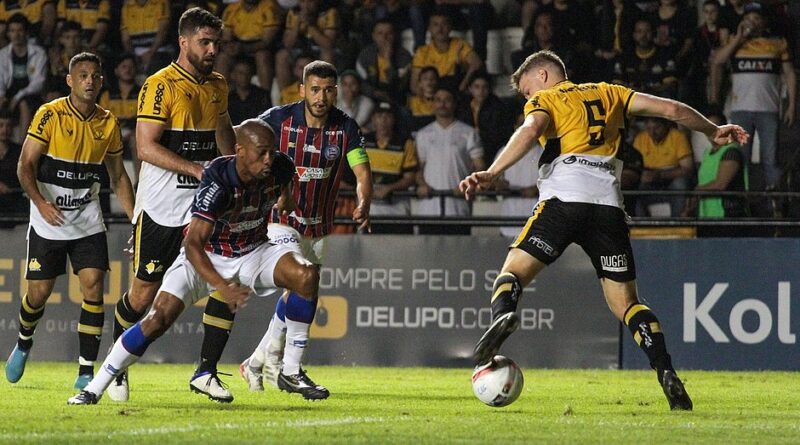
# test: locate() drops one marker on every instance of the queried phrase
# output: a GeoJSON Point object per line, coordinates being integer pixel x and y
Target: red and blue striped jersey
{"type": "Point", "coordinates": [319, 156]}
{"type": "Point", "coordinates": [238, 211]}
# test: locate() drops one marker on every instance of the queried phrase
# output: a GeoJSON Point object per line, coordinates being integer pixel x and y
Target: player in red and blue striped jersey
{"type": "Point", "coordinates": [319, 138]}
{"type": "Point", "coordinates": [225, 250]}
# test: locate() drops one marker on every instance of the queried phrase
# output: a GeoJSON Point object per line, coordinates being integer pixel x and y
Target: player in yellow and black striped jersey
{"type": "Point", "coordinates": [68, 142]}
{"type": "Point", "coordinates": [580, 201]}
{"type": "Point", "coordinates": [182, 124]}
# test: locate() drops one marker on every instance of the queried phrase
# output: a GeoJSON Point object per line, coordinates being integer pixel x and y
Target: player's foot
{"type": "Point", "coordinates": [253, 377]}
{"type": "Point", "coordinates": [208, 383]}
{"type": "Point", "coordinates": [273, 358]}
{"type": "Point", "coordinates": [119, 391]}
{"type": "Point", "coordinates": [493, 338]}
{"type": "Point", "coordinates": [302, 384]}
{"type": "Point", "coordinates": [15, 366]}
{"type": "Point", "coordinates": [676, 394]}
{"type": "Point", "coordinates": [82, 381]}
{"type": "Point", "coordinates": [84, 398]}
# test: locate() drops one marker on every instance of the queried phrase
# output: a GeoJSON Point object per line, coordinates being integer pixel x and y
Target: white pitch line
{"type": "Point", "coordinates": [192, 428]}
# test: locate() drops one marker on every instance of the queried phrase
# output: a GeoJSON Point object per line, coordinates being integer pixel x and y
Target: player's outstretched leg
{"type": "Point", "coordinates": [90, 330]}
{"type": "Point", "coordinates": [268, 356]}
{"type": "Point", "coordinates": [125, 316]}
{"type": "Point", "coordinates": [646, 331]}
{"type": "Point", "coordinates": [28, 319]}
{"type": "Point", "coordinates": [126, 351]}
{"type": "Point", "coordinates": [292, 378]}
{"type": "Point", "coordinates": [505, 321]}
{"type": "Point", "coordinates": [217, 322]}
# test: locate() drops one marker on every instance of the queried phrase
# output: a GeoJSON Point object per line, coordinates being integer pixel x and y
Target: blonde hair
{"type": "Point", "coordinates": [535, 60]}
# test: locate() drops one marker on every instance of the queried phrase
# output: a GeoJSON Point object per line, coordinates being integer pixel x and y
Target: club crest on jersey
{"type": "Point", "coordinates": [331, 152]}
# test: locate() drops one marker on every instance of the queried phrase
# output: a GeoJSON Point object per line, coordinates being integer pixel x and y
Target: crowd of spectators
{"type": "Point", "coordinates": [422, 67]}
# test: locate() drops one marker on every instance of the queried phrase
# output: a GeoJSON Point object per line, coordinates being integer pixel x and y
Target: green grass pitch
{"type": "Point", "coordinates": [406, 406]}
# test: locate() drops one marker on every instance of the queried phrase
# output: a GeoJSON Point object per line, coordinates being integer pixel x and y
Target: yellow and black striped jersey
{"type": "Point", "coordinates": [86, 12]}
{"type": "Point", "coordinates": [581, 142]}
{"type": "Point", "coordinates": [189, 109]}
{"type": "Point", "coordinates": [248, 26]}
{"type": "Point", "coordinates": [69, 172]}
{"type": "Point", "coordinates": [141, 22]}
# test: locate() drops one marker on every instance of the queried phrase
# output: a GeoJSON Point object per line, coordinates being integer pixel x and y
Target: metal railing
{"type": "Point", "coordinates": [501, 220]}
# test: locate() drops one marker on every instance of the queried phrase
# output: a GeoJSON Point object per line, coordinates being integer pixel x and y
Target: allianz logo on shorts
{"type": "Point", "coordinates": [614, 263]}
{"type": "Point", "coordinates": [34, 265]}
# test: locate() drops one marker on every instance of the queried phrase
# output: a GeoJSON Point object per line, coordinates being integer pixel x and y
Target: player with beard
{"type": "Point", "coordinates": [319, 138]}
{"type": "Point", "coordinates": [182, 124]}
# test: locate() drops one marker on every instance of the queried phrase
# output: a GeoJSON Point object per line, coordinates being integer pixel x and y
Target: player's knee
{"type": "Point", "coordinates": [308, 281]}
{"type": "Point", "coordinates": [142, 294]}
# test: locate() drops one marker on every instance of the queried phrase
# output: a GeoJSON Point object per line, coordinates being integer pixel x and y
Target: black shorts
{"type": "Point", "coordinates": [600, 230]}
{"type": "Point", "coordinates": [47, 258]}
{"type": "Point", "coordinates": [155, 247]}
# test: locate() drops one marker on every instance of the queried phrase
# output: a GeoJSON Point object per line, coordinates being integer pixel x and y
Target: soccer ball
{"type": "Point", "coordinates": [498, 383]}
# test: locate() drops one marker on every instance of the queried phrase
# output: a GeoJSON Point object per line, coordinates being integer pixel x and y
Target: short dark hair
{"type": "Point", "coordinates": [321, 69]}
{"type": "Point", "coordinates": [195, 18]}
{"type": "Point", "coordinates": [244, 60]}
{"type": "Point", "coordinates": [535, 60]}
{"type": "Point", "coordinates": [123, 57]}
{"type": "Point", "coordinates": [712, 2]}
{"type": "Point", "coordinates": [85, 57]}
{"type": "Point", "coordinates": [22, 20]}
{"type": "Point", "coordinates": [426, 69]}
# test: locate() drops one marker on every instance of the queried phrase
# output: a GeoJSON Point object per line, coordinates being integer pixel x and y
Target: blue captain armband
{"type": "Point", "coordinates": [357, 156]}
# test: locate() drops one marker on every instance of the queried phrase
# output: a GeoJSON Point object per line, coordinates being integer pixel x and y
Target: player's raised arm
{"type": "Point", "coordinates": [523, 140]}
{"type": "Point", "coordinates": [197, 235]}
{"type": "Point", "coordinates": [647, 105]}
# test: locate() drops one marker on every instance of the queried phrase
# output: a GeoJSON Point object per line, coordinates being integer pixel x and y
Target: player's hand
{"type": "Point", "coordinates": [51, 213]}
{"type": "Point", "coordinates": [727, 134]}
{"type": "Point", "coordinates": [286, 205]}
{"type": "Point", "coordinates": [235, 295]}
{"type": "Point", "coordinates": [476, 182]}
{"type": "Point", "coordinates": [361, 216]}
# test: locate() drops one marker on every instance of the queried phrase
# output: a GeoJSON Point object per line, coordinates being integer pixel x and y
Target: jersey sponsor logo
{"type": "Point", "coordinates": [244, 225]}
{"type": "Point", "coordinates": [309, 221]}
{"type": "Point", "coordinates": [286, 238]}
{"type": "Point", "coordinates": [158, 99]}
{"type": "Point", "coordinates": [206, 195]}
{"type": "Point", "coordinates": [143, 94]}
{"type": "Point", "coordinates": [614, 263]}
{"type": "Point", "coordinates": [77, 176]}
{"type": "Point", "coordinates": [198, 146]}
{"type": "Point", "coordinates": [333, 133]}
{"type": "Point", "coordinates": [290, 129]}
{"type": "Point", "coordinates": [69, 202]}
{"type": "Point", "coordinates": [307, 174]}
{"type": "Point", "coordinates": [43, 121]}
{"type": "Point", "coordinates": [34, 265]}
{"type": "Point", "coordinates": [331, 152]}
{"type": "Point", "coordinates": [602, 165]}
{"type": "Point", "coordinates": [756, 66]}
{"type": "Point", "coordinates": [311, 149]}
{"type": "Point", "coordinates": [187, 182]}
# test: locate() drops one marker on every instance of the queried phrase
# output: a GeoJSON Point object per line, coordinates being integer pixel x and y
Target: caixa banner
{"type": "Point", "coordinates": [723, 304]}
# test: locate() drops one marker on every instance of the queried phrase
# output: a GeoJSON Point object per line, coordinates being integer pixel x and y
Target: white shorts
{"type": "Point", "coordinates": [254, 270]}
{"type": "Point", "coordinates": [313, 249]}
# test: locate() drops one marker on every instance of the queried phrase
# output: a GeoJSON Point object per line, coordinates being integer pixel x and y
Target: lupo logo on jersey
{"type": "Point", "coordinates": [331, 152]}
{"type": "Point", "coordinates": [331, 318]}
